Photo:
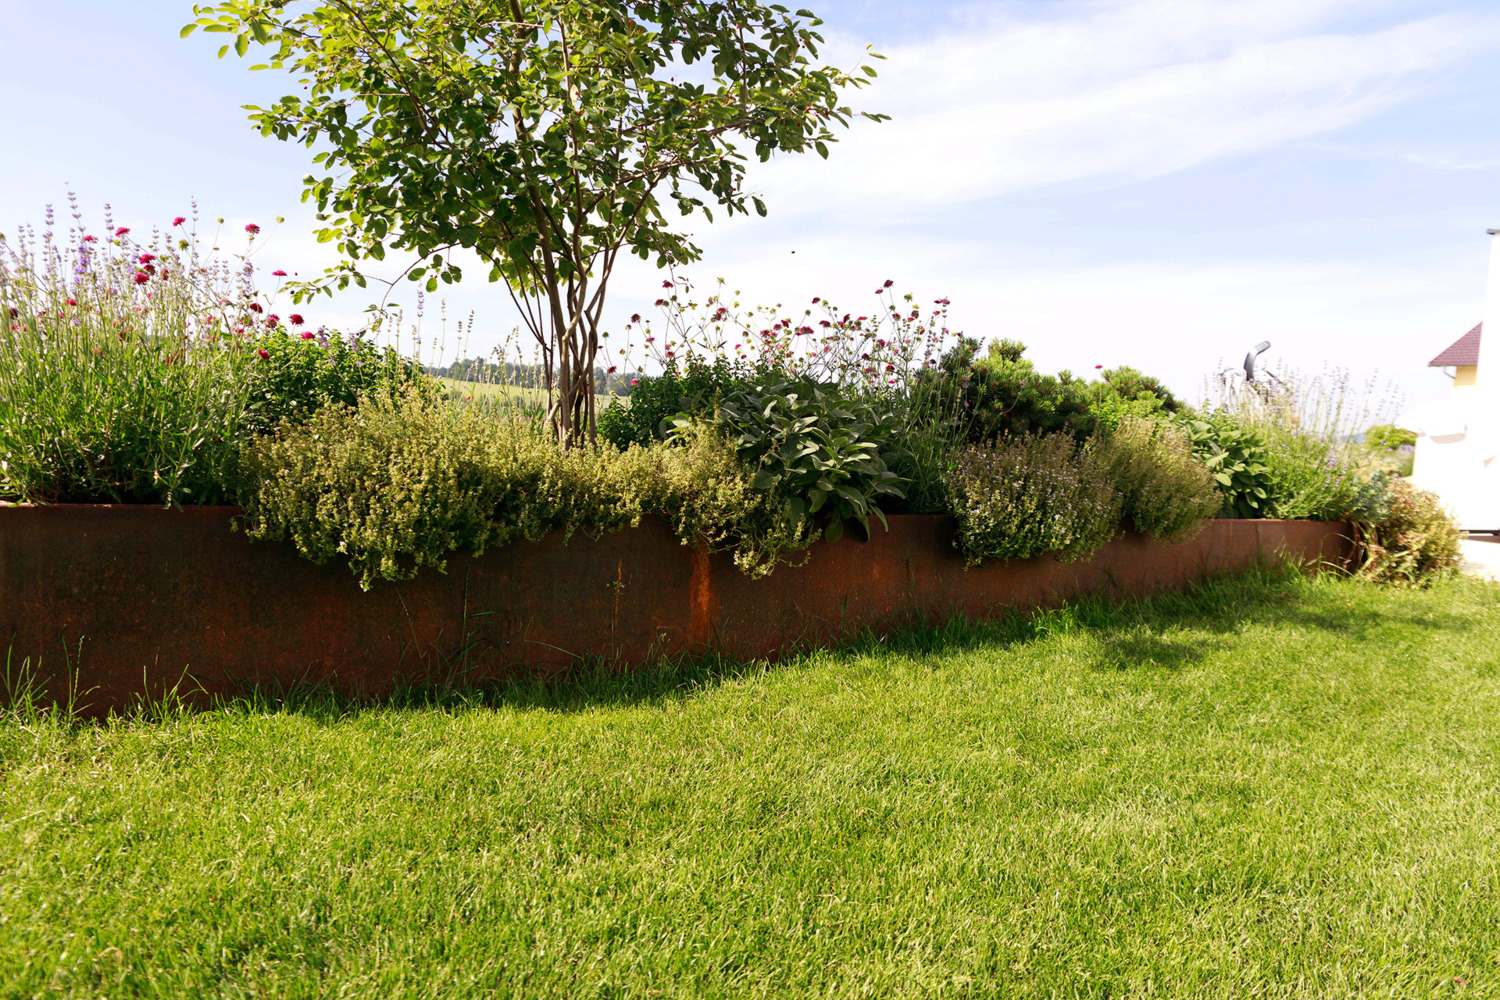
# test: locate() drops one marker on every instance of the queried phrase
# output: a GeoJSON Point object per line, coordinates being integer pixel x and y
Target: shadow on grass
{"type": "Point", "coordinates": [1171, 631]}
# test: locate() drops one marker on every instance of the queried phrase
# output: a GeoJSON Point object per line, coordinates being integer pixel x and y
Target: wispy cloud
{"type": "Point", "coordinates": [1121, 91]}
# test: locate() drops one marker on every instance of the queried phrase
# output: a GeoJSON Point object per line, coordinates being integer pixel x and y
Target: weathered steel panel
{"type": "Point", "coordinates": [126, 601]}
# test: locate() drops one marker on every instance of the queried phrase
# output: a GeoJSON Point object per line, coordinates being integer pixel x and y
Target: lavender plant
{"type": "Point", "coordinates": [120, 379]}
{"type": "Point", "coordinates": [1310, 428]}
{"type": "Point", "coordinates": [135, 365]}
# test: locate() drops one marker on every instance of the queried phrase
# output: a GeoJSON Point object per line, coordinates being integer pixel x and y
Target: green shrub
{"type": "Point", "coordinates": [1125, 392]}
{"type": "Point", "coordinates": [1414, 543]}
{"type": "Point", "coordinates": [1236, 456]}
{"type": "Point", "coordinates": [1001, 393]}
{"type": "Point", "coordinates": [1389, 437]}
{"type": "Point", "coordinates": [655, 400]}
{"type": "Point", "coordinates": [1165, 491]}
{"type": "Point", "coordinates": [292, 376]}
{"type": "Point", "coordinates": [1030, 495]}
{"type": "Point", "coordinates": [827, 456]}
{"type": "Point", "coordinates": [708, 495]}
{"type": "Point", "coordinates": [401, 482]}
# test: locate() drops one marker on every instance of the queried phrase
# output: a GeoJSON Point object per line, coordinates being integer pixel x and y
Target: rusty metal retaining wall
{"type": "Point", "coordinates": [132, 600]}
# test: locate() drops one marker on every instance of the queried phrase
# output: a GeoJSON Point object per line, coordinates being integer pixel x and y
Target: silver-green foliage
{"type": "Point", "coordinates": [398, 484]}
{"type": "Point", "coordinates": [823, 454]}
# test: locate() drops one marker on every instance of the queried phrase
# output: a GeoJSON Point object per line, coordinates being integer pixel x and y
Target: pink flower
{"type": "Point", "coordinates": [252, 229]}
{"type": "Point", "coordinates": [264, 354]}
{"type": "Point", "coordinates": [272, 319]}
{"type": "Point", "coordinates": [1098, 366]}
{"type": "Point", "coordinates": [89, 239]}
{"type": "Point", "coordinates": [122, 230]}
{"type": "Point", "coordinates": [141, 277]}
{"type": "Point", "coordinates": [295, 319]}
{"type": "Point", "coordinates": [635, 382]}
{"type": "Point", "coordinates": [72, 302]}
{"type": "Point", "coordinates": [146, 258]}
{"type": "Point", "coordinates": [179, 220]}
{"type": "Point", "coordinates": [279, 274]}
{"type": "Point", "coordinates": [307, 334]}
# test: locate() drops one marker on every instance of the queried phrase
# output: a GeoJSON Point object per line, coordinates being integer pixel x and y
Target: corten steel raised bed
{"type": "Point", "coordinates": [123, 601]}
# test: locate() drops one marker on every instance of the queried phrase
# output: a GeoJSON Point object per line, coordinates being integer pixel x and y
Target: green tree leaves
{"type": "Point", "coordinates": [537, 133]}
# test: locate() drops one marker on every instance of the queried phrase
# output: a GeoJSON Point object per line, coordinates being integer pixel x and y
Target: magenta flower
{"type": "Point", "coordinates": [179, 220]}
{"type": "Point", "coordinates": [264, 354]}
{"type": "Point", "coordinates": [141, 277]}
{"type": "Point", "coordinates": [272, 319]}
{"type": "Point", "coordinates": [122, 230]}
{"type": "Point", "coordinates": [146, 258]}
{"type": "Point", "coordinates": [306, 334]}
{"type": "Point", "coordinates": [295, 319]}
{"type": "Point", "coordinates": [279, 274]}
{"type": "Point", "coordinates": [89, 239]}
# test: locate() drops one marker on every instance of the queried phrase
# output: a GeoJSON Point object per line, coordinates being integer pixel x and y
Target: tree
{"type": "Point", "coordinates": [541, 134]}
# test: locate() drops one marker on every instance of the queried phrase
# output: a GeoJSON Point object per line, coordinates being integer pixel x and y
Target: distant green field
{"type": "Point", "coordinates": [492, 390]}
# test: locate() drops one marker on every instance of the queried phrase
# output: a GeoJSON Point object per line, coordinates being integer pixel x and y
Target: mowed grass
{"type": "Point", "coordinates": [1262, 788]}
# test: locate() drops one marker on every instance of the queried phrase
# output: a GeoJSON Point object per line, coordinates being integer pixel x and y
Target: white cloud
{"type": "Point", "coordinates": [1178, 320]}
{"type": "Point", "coordinates": [1116, 91]}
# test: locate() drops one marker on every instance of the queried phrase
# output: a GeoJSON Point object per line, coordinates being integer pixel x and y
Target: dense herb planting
{"type": "Point", "coordinates": [401, 483]}
{"type": "Point", "coordinates": [1165, 491]}
{"type": "Point", "coordinates": [1410, 541]}
{"type": "Point", "coordinates": [122, 371]}
{"type": "Point", "coordinates": [1032, 495]}
{"type": "Point", "coordinates": [712, 500]}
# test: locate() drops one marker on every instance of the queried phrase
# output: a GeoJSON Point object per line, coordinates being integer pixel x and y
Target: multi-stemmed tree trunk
{"type": "Point", "coordinates": [541, 134]}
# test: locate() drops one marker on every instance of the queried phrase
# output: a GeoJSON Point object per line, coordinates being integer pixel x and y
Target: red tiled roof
{"type": "Point", "coordinates": [1463, 351]}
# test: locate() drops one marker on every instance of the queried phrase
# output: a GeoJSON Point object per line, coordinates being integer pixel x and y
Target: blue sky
{"type": "Point", "coordinates": [1153, 182]}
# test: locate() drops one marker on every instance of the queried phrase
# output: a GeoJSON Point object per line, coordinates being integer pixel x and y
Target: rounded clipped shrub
{"type": "Point", "coordinates": [1165, 491]}
{"type": "Point", "coordinates": [1032, 495]}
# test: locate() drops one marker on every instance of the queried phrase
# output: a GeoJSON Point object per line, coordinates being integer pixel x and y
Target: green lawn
{"type": "Point", "coordinates": [1263, 788]}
